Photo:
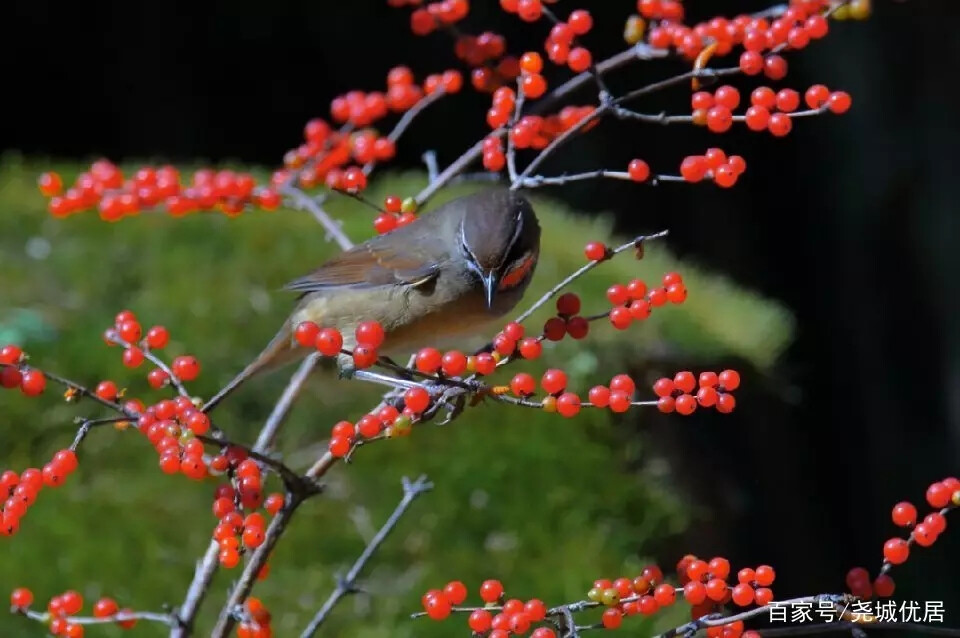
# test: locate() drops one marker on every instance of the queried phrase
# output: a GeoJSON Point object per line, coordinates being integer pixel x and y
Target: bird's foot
{"type": "Point", "coordinates": [346, 371]}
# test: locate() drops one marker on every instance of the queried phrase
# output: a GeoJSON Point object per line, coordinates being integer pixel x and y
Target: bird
{"type": "Point", "coordinates": [451, 272]}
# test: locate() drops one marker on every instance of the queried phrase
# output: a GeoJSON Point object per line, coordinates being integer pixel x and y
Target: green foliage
{"type": "Point", "coordinates": [544, 503]}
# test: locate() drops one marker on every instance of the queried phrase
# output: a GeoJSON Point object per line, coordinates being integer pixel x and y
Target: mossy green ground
{"type": "Point", "coordinates": [543, 503]}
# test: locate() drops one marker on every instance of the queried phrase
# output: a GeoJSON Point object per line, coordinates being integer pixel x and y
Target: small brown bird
{"type": "Point", "coordinates": [451, 272]}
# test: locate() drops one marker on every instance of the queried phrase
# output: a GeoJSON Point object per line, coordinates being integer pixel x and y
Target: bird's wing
{"type": "Point", "coordinates": [373, 264]}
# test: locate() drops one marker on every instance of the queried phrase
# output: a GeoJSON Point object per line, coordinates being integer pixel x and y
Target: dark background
{"type": "Point", "coordinates": [850, 221]}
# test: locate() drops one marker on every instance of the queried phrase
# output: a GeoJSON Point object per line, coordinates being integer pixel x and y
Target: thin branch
{"type": "Point", "coordinates": [44, 617]}
{"type": "Point", "coordinates": [79, 388]}
{"type": "Point", "coordinates": [579, 272]}
{"type": "Point", "coordinates": [347, 584]}
{"type": "Point", "coordinates": [304, 202]}
{"type": "Point", "coordinates": [639, 51]}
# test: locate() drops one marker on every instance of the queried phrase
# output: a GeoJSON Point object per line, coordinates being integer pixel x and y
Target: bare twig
{"type": "Point", "coordinates": [304, 202]}
{"type": "Point", "coordinates": [347, 584]}
{"type": "Point", "coordinates": [166, 619]}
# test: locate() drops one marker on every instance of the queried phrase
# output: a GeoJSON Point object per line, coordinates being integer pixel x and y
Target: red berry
{"type": "Point", "coordinates": [751, 62]}
{"type": "Point", "coordinates": [612, 618]}
{"type": "Point", "coordinates": [370, 334]}
{"type": "Point", "coordinates": [726, 403]}
{"type": "Point", "coordinates": [568, 304]}
{"type": "Point", "coordinates": [883, 586]}
{"type": "Point", "coordinates": [685, 404]}
{"type": "Point", "coordinates": [428, 360]}
{"type": "Point", "coordinates": [32, 382]}
{"type": "Point", "coordinates": [364, 357]}
{"type": "Point", "coordinates": [619, 402]}
{"type": "Point", "coordinates": [21, 597]}
{"type": "Point", "coordinates": [638, 170]}
{"type": "Point", "coordinates": [779, 124]}
{"type": "Point", "coordinates": [727, 96]}
{"type": "Point", "coordinates": [742, 595]}
{"type": "Point", "coordinates": [523, 384]}
{"type": "Point", "coordinates": [490, 591]}
{"type": "Point", "coordinates": [757, 118]}
{"type": "Point", "coordinates": [568, 404]}
{"type": "Point", "coordinates": [694, 592]}
{"type": "Point", "coordinates": [729, 380]}
{"type": "Point", "coordinates": [664, 387]}
{"type": "Point", "coordinates": [599, 396]}
{"type": "Point", "coordinates": [129, 331]}
{"type": "Point", "coordinates": [328, 342]}
{"type": "Point", "coordinates": [186, 368]}
{"type": "Point", "coordinates": [839, 102]}
{"type": "Point", "coordinates": [693, 168]}
{"type": "Point", "coordinates": [816, 96]}
{"type": "Point", "coordinates": [719, 119]}
{"type": "Point", "coordinates": [716, 589]}
{"type": "Point", "coordinates": [339, 446]}
{"type": "Point", "coordinates": [765, 575]}
{"type": "Point", "coordinates": [595, 251]}
{"type": "Point", "coordinates": [456, 592]}
{"type": "Point", "coordinates": [896, 551]}
{"type": "Point", "coordinates": [10, 354]}
{"type": "Point", "coordinates": [775, 67]}
{"type": "Point", "coordinates": [554, 381]}
{"type": "Point", "coordinates": [580, 21]}
{"type": "Point", "coordinates": [621, 317]}
{"type": "Point", "coordinates": [480, 620]}
{"type": "Point", "coordinates": [938, 495]}
{"type": "Point", "coordinates": [530, 348]}
{"type": "Point", "coordinates": [618, 295]}
{"type": "Point", "coordinates": [788, 100]}
{"type": "Point", "coordinates": [454, 363]}
{"type": "Point", "coordinates": [157, 337]}
{"type": "Point", "coordinates": [904, 514]}
{"type": "Point", "coordinates": [417, 399]}
{"type": "Point", "coordinates": [306, 333]}
{"type": "Point", "coordinates": [107, 390]}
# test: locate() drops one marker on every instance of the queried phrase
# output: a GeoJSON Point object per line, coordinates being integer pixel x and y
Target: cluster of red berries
{"type": "Point", "coordinates": [70, 603]}
{"type": "Point", "coordinates": [257, 620]}
{"type": "Point", "coordinates": [127, 331]}
{"type": "Point", "coordinates": [426, 20]}
{"type": "Point", "coordinates": [104, 187]}
{"type": "Point", "coordinates": [236, 532]}
{"type": "Point", "coordinates": [20, 491]}
{"type": "Point", "coordinates": [715, 165]}
{"type": "Point", "coordinates": [802, 22]}
{"type": "Point", "coordinates": [171, 427]}
{"type": "Point", "coordinates": [387, 421]}
{"type": "Point", "coordinates": [396, 213]}
{"type": "Point", "coordinates": [942, 496]}
{"type": "Point", "coordinates": [530, 131]}
{"type": "Point", "coordinates": [476, 50]}
{"type": "Point", "coordinates": [703, 584]}
{"type": "Point", "coordinates": [635, 301]}
{"type": "Point", "coordinates": [503, 618]}
{"type": "Point", "coordinates": [454, 363]}
{"type": "Point", "coordinates": [369, 337]}
{"type": "Point", "coordinates": [676, 394]}
{"type": "Point", "coordinates": [14, 374]}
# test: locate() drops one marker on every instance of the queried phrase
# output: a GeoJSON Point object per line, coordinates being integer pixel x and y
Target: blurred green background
{"type": "Point", "coordinates": [543, 503]}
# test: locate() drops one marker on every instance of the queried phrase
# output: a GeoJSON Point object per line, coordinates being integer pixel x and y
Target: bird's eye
{"type": "Point", "coordinates": [517, 272]}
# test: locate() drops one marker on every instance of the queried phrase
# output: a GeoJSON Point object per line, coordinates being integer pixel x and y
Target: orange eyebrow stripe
{"type": "Point", "coordinates": [516, 274]}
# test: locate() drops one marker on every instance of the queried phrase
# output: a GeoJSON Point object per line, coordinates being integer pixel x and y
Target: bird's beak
{"type": "Point", "coordinates": [491, 280]}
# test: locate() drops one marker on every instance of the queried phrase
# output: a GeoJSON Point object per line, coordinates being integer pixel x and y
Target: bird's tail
{"type": "Point", "coordinates": [280, 351]}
